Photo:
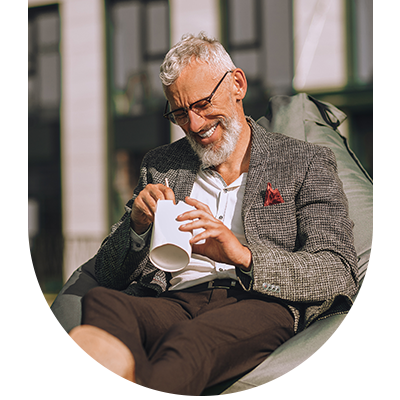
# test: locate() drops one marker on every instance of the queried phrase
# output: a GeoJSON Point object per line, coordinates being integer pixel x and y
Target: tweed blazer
{"type": "Point", "coordinates": [302, 249]}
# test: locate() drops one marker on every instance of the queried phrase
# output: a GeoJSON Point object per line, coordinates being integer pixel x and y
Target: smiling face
{"type": "Point", "coordinates": [215, 136]}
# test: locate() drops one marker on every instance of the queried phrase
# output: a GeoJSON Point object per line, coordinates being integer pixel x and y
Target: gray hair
{"type": "Point", "coordinates": [194, 48]}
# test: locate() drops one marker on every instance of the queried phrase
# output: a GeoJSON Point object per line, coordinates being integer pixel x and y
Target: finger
{"type": "Point", "coordinates": [149, 205]}
{"type": "Point", "coordinates": [155, 192]}
{"type": "Point", "coordinates": [147, 199]}
{"type": "Point", "coordinates": [141, 216]}
{"type": "Point", "coordinates": [168, 194]}
{"type": "Point", "coordinates": [161, 192]}
{"type": "Point", "coordinates": [146, 202]}
{"type": "Point", "coordinates": [201, 236]}
{"type": "Point", "coordinates": [152, 193]}
{"type": "Point", "coordinates": [143, 208]}
{"type": "Point", "coordinates": [197, 214]}
{"type": "Point", "coordinates": [198, 204]}
{"type": "Point", "coordinates": [199, 223]}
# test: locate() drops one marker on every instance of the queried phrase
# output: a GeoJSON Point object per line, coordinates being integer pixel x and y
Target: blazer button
{"type": "Point", "coordinates": [266, 285]}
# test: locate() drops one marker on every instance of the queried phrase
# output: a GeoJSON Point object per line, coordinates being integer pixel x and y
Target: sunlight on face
{"type": "Point", "coordinates": [216, 153]}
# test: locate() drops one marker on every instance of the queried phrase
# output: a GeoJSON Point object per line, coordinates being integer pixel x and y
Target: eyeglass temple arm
{"type": "Point", "coordinates": [207, 98]}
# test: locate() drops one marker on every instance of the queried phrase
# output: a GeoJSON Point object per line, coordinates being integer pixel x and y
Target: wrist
{"type": "Point", "coordinates": [247, 260]}
{"type": "Point", "coordinates": [139, 228]}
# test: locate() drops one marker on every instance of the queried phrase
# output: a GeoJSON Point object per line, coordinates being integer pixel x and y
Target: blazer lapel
{"type": "Point", "coordinates": [259, 169]}
{"type": "Point", "coordinates": [182, 185]}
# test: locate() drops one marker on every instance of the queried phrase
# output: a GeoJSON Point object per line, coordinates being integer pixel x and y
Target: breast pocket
{"type": "Point", "coordinates": [275, 224]}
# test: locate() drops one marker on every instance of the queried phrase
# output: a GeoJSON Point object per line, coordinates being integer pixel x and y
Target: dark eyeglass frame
{"type": "Point", "coordinates": [168, 115]}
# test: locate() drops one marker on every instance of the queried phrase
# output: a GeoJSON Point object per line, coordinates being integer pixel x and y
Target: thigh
{"type": "Point", "coordinates": [134, 320]}
{"type": "Point", "coordinates": [219, 344]}
{"type": "Point", "coordinates": [254, 324]}
{"type": "Point", "coordinates": [242, 335]}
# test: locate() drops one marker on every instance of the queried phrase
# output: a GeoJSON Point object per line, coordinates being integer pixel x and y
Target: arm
{"type": "Point", "coordinates": [324, 263]}
{"type": "Point", "coordinates": [121, 259]}
{"type": "Point", "coordinates": [117, 263]}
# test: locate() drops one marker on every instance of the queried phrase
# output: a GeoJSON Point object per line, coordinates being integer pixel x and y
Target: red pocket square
{"type": "Point", "coordinates": [272, 196]}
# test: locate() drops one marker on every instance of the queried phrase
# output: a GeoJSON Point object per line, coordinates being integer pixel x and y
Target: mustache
{"type": "Point", "coordinates": [219, 120]}
{"type": "Point", "coordinates": [215, 154]}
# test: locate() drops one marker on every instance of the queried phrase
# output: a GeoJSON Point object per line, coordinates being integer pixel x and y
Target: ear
{"type": "Point", "coordinates": [240, 84]}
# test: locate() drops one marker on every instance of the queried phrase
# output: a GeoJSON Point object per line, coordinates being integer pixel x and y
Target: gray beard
{"type": "Point", "coordinates": [215, 154]}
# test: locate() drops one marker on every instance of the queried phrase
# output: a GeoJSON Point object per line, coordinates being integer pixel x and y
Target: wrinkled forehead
{"type": "Point", "coordinates": [195, 82]}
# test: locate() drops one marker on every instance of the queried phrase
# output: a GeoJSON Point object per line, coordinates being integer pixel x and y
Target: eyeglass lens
{"type": "Point", "coordinates": [202, 108]}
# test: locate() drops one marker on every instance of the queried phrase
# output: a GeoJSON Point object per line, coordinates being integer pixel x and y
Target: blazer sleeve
{"type": "Point", "coordinates": [117, 263]}
{"type": "Point", "coordinates": [324, 264]}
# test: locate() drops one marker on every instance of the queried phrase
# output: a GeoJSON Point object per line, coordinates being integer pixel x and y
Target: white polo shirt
{"type": "Point", "coordinates": [225, 202]}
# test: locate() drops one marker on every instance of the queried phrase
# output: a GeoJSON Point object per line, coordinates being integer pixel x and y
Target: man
{"type": "Point", "coordinates": [272, 242]}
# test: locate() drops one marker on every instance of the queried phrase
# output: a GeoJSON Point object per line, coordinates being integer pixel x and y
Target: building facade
{"type": "Point", "coordinates": [96, 102]}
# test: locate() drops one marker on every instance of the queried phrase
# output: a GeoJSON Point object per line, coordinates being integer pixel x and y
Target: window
{"type": "Point", "coordinates": [44, 181]}
{"type": "Point", "coordinates": [44, 72]}
{"type": "Point", "coordinates": [244, 35]}
{"type": "Point", "coordinates": [258, 36]}
{"type": "Point", "coordinates": [140, 40]}
{"type": "Point", "coordinates": [319, 44]}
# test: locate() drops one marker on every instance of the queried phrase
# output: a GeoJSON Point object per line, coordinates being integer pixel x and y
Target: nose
{"type": "Point", "coordinates": [196, 122]}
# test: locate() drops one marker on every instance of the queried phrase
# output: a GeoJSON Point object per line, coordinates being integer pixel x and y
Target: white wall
{"type": "Point", "coordinates": [83, 130]}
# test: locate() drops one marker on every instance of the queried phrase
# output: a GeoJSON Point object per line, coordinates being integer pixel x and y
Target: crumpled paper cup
{"type": "Point", "coordinates": [170, 249]}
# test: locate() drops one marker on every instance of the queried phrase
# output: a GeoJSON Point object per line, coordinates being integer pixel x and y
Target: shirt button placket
{"type": "Point", "coordinates": [222, 204]}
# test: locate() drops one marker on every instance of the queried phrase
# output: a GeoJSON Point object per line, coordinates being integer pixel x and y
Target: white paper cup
{"type": "Point", "coordinates": [170, 249]}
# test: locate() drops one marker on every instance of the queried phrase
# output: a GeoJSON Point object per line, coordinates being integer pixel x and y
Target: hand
{"type": "Point", "coordinates": [145, 205]}
{"type": "Point", "coordinates": [221, 245]}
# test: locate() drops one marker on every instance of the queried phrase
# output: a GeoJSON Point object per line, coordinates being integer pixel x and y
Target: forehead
{"type": "Point", "coordinates": [195, 82]}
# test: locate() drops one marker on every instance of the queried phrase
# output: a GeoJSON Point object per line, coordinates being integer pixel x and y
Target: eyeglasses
{"type": "Point", "coordinates": [202, 107]}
